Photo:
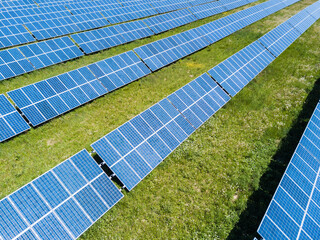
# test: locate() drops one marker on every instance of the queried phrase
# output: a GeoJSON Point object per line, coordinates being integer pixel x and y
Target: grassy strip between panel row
{"type": "Point", "coordinates": [200, 190]}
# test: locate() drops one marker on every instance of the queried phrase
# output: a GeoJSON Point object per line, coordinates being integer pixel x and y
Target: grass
{"type": "Point", "coordinates": [208, 187]}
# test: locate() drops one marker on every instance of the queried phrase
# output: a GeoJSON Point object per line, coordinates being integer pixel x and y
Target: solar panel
{"type": "Point", "coordinates": [11, 122]}
{"type": "Point", "coordinates": [13, 63]}
{"type": "Point", "coordinates": [198, 2]}
{"type": "Point", "coordinates": [170, 5]}
{"type": "Point", "coordinates": [294, 210]}
{"type": "Point", "coordinates": [134, 149]}
{"type": "Point", "coordinates": [138, 146]}
{"type": "Point", "coordinates": [134, 30]}
{"type": "Point", "coordinates": [207, 10]}
{"type": "Point", "coordinates": [237, 71]}
{"type": "Point", "coordinates": [165, 22]}
{"type": "Point", "coordinates": [280, 38]}
{"type": "Point", "coordinates": [51, 52]}
{"type": "Point", "coordinates": [96, 40]}
{"type": "Point", "coordinates": [168, 50]}
{"type": "Point", "coordinates": [52, 97]}
{"type": "Point", "coordinates": [199, 100]}
{"type": "Point", "coordinates": [60, 204]}
{"type": "Point", "coordinates": [104, 38]}
{"type": "Point", "coordinates": [50, 28]}
{"type": "Point", "coordinates": [218, 29]}
{"type": "Point", "coordinates": [117, 71]}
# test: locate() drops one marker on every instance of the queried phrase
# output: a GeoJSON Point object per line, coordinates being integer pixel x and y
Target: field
{"type": "Point", "coordinates": [218, 183]}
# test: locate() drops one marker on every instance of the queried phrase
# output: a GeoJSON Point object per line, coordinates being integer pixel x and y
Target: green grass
{"type": "Point", "coordinates": [201, 190]}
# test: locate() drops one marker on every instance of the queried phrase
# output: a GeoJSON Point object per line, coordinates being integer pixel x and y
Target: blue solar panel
{"type": "Point", "coordinates": [165, 22]}
{"type": "Point", "coordinates": [294, 210]}
{"type": "Point", "coordinates": [207, 10]}
{"type": "Point", "coordinates": [14, 35]}
{"type": "Point", "coordinates": [170, 5]}
{"type": "Point", "coordinates": [49, 98]}
{"type": "Point", "coordinates": [11, 122]}
{"type": "Point", "coordinates": [237, 71]}
{"type": "Point", "coordinates": [138, 146]}
{"type": "Point", "coordinates": [119, 70]}
{"type": "Point", "coordinates": [199, 100]}
{"type": "Point", "coordinates": [50, 28]}
{"type": "Point", "coordinates": [128, 13]}
{"type": "Point", "coordinates": [60, 204]}
{"type": "Point", "coordinates": [51, 52]}
{"type": "Point", "coordinates": [96, 40]}
{"type": "Point", "coordinates": [218, 29]}
{"type": "Point", "coordinates": [165, 51]}
{"type": "Point", "coordinates": [285, 34]}
{"type": "Point", "coordinates": [13, 63]}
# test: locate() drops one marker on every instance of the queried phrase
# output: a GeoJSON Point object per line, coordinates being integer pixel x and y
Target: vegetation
{"type": "Point", "coordinates": [216, 185]}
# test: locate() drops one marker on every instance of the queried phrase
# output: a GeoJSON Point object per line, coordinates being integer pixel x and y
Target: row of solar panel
{"type": "Point", "coordinates": [294, 210]}
{"type": "Point", "coordinates": [235, 72]}
{"type": "Point", "coordinates": [54, 21]}
{"type": "Point", "coordinates": [60, 204]}
{"type": "Point", "coordinates": [47, 99]}
{"type": "Point", "coordinates": [46, 53]}
{"type": "Point", "coordinates": [65, 201]}
{"type": "Point", "coordinates": [168, 50]}
{"type": "Point", "coordinates": [135, 148]}
{"type": "Point", "coordinates": [104, 38]}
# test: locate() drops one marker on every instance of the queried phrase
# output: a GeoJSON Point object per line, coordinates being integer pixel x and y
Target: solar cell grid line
{"type": "Point", "coordinates": [60, 204]}
{"type": "Point", "coordinates": [49, 98]}
{"type": "Point", "coordinates": [134, 149]}
{"type": "Point", "coordinates": [293, 211]}
{"type": "Point", "coordinates": [14, 35]}
{"type": "Point", "coordinates": [164, 22]}
{"type": "Point", "coordinates": [11, 122]}
{"type": "Point", "coordinates": [314, 10]}
{"type": "Point", "coordinates": [168, 50]}
{"type": "Point", "coordinates": [237, 71]}
{"type": "Point", "coordinates": [13, 63]}
{"type": "Point", "coordinates": [50, 52]}
{"type": "Point", "coordinates": [199, 100]}
{"type": "Point", "coordinates": [99, 39]}
{"type": "Point", "coordinates": [117, 71]}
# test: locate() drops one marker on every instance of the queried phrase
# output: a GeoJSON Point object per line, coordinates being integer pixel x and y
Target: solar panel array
{"type": "Point", "coordinates": [47, 99]}
{"type": "Point", "coordinates": [168, 50]}
{"type": "Point", "coordinates": [294, 209]}
{"type": "Point", "coordinates": [134, 149]}
{"type": "Point", "coordinates": [58, 18]}
{"type": "Point", "coordinates": [104, 38]}
{"type": "Point", "coordinates": [119, 70]}
{"type": "Point", "coordinates": [60, 204]}
{"type": "Point", "coordinates": [165, 22]}
{"type": "Point", "coordinates": [50, 52]}
{"type": "Point", "coordinates": [238, 70]}
{"type": "Point", "coordinates": [165, 51]}
{"type": "Point", "coordinates": [11, 122]}
{"type": "Point", "coordinates": [13, 63]}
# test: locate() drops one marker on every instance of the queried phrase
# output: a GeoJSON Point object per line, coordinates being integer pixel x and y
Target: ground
{"type": "Point", "coordinates": [217, 184]}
